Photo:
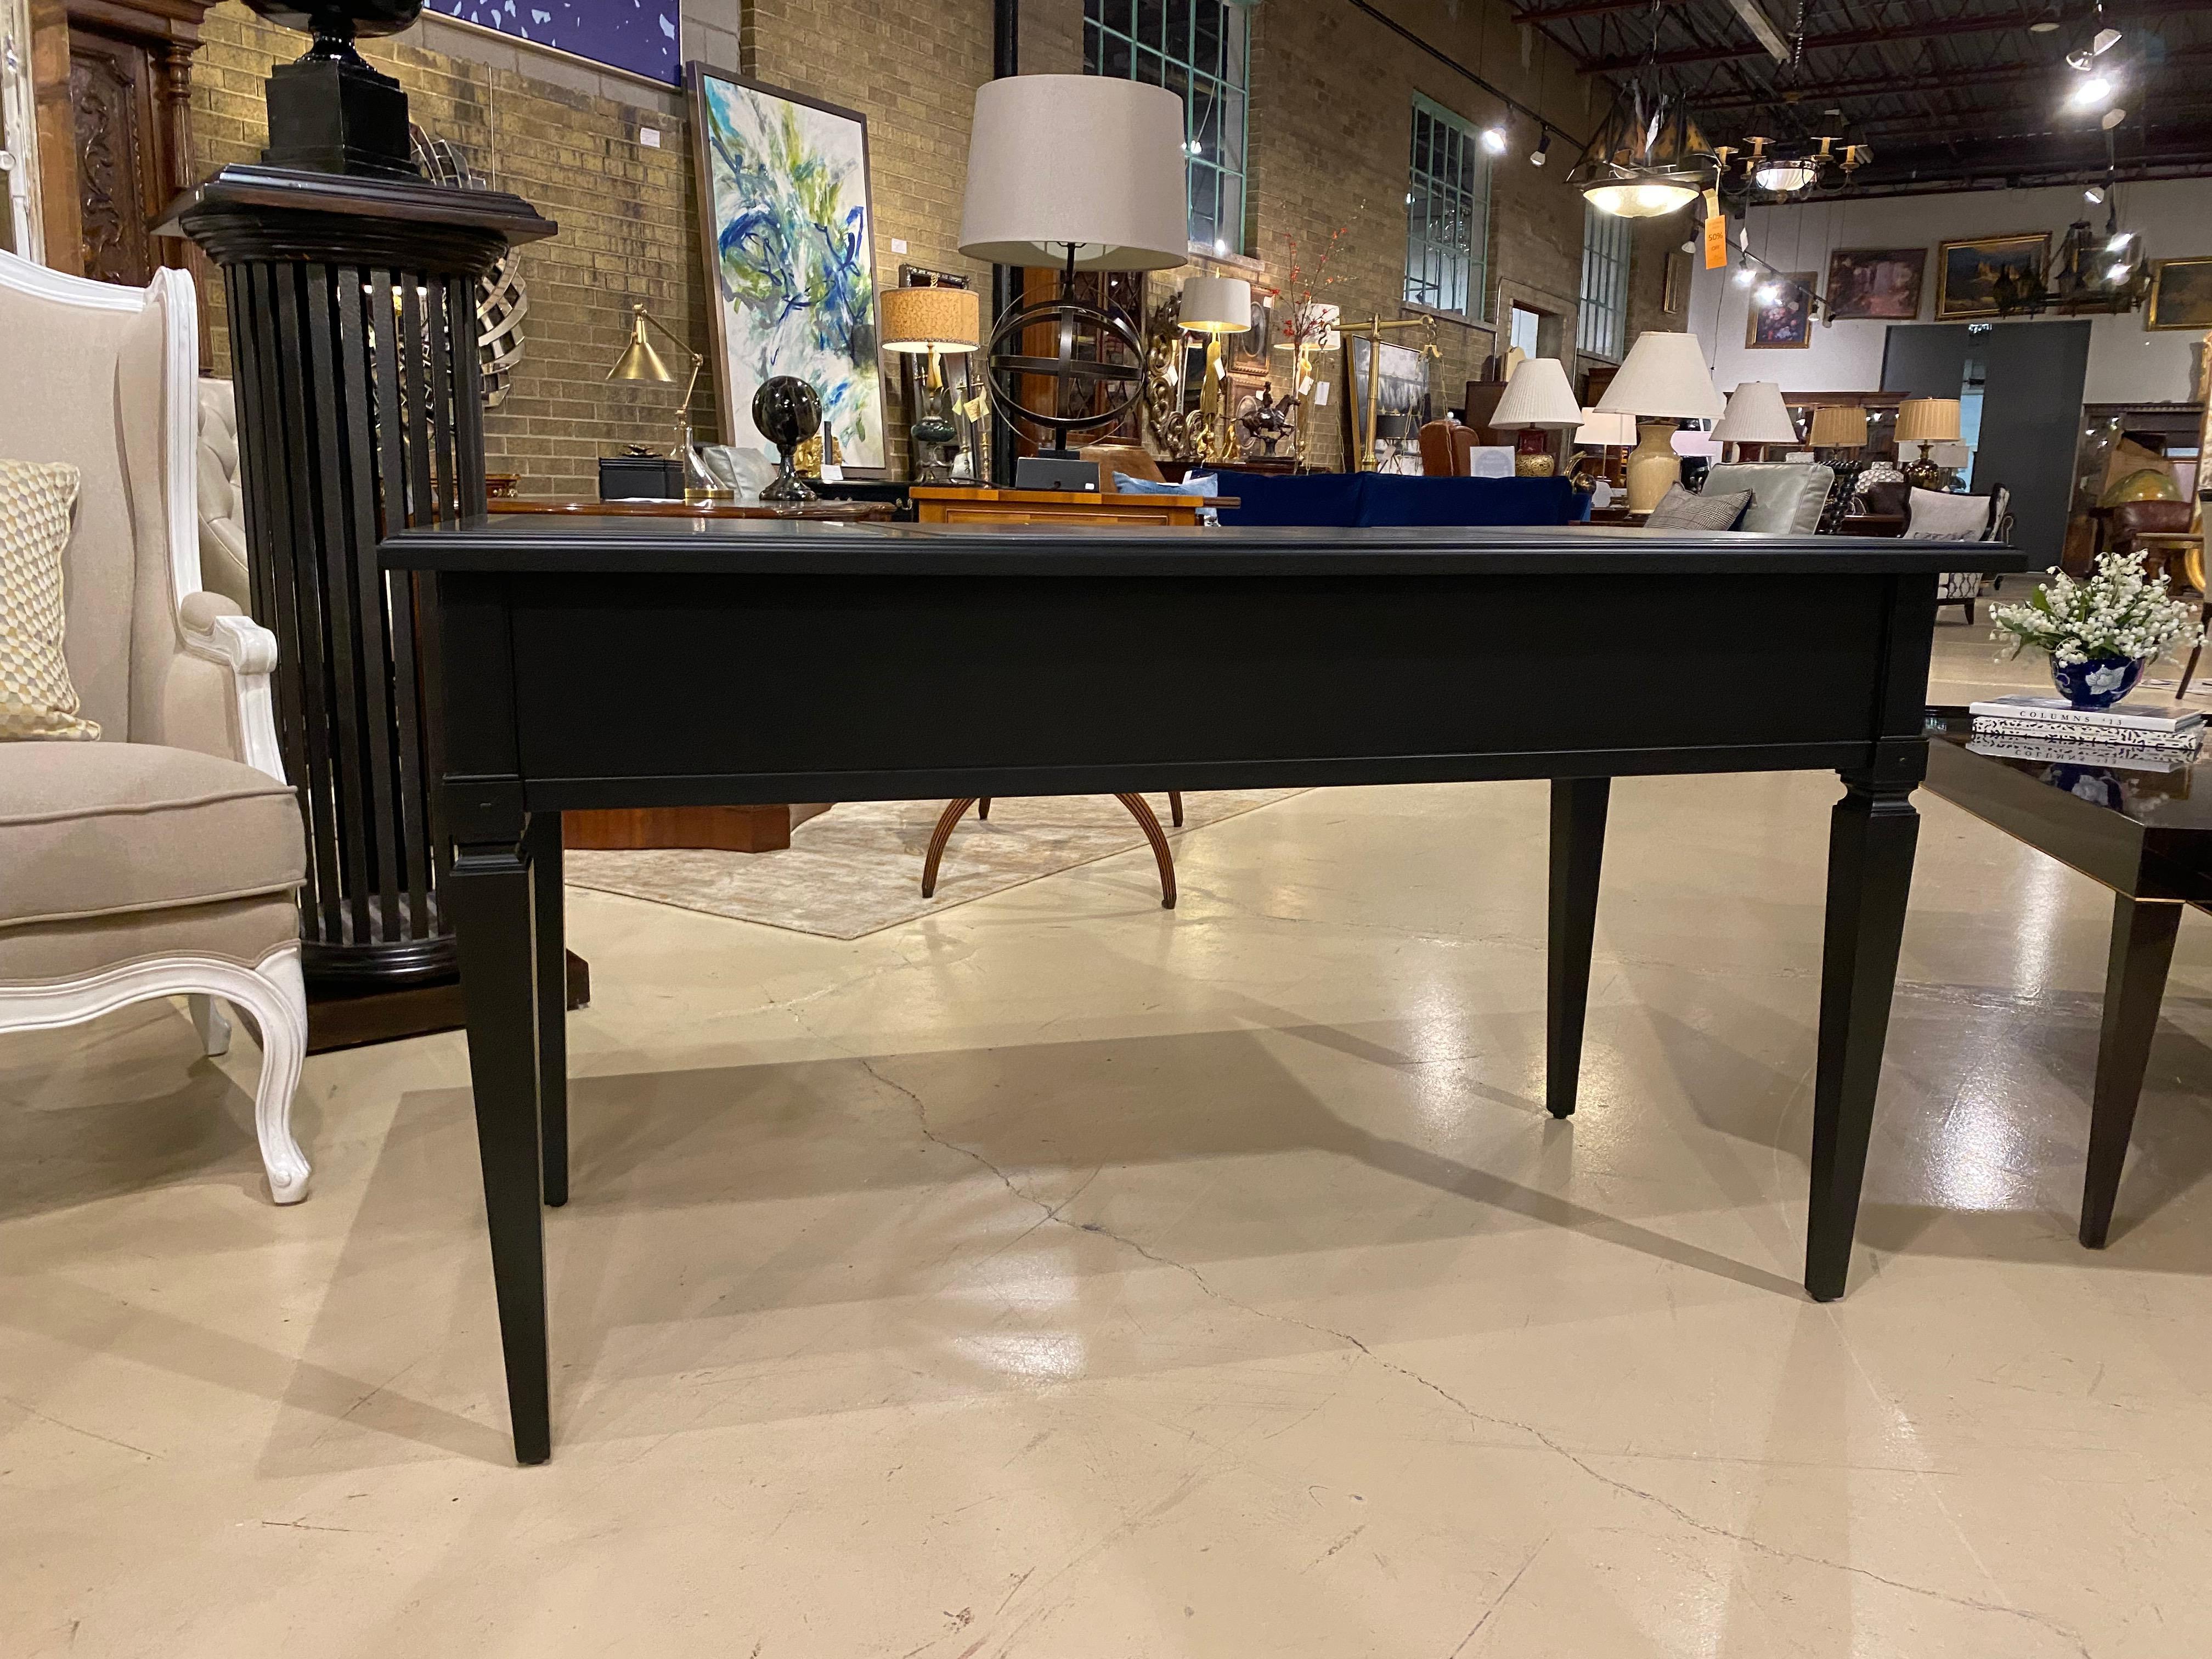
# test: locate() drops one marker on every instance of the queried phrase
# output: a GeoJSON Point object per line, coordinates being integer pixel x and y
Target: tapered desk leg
{"type": "Point", "coordinates": [1577, 849]}
{"type": "Point", "coordinates": [543, 846]}
{"type": "Point", "coordinates": [489, 896]}
{"type": "Point", "coordinates": [2135, 984]}
{"type": "Point", "coordinates": [1871, 837]}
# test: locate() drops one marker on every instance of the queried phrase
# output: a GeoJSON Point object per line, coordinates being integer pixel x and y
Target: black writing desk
{"type": "Point", "coordinates": [592, 662]}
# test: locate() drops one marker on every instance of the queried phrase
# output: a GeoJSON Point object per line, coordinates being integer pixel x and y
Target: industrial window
{"type": "Point", "coordinates": [1447, 213]}
{"type": "Point", "coordinates": [1601, 330]}
{"type": "Point", "coordinates": [1201, 50]}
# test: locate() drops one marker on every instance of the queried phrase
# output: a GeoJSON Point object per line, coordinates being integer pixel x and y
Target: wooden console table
{"type": "Point", "coordinates": [1032, 663]}
{"type": "Point", "coordinates": [978, 505]}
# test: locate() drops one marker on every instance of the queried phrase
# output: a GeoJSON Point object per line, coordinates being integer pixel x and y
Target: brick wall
{"type": "Point", "coordinates": [1331, 89]}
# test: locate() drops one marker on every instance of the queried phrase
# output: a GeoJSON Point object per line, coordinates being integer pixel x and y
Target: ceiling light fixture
{"type": "Point", "coordinates": [1493, 140]}
{"type": "Point", "coordinates": [2118, 240]}
{"type": "Point", "coordinates": [2094, 196]}
{"type": "Point", "coordinates": [1647, 158]}
{"type": "Point", "coordinates": [2112, 117]}
{"type": "Point", "coordinates": [2104, 40]}
{"type": "Point", "coordinates": [2094, 90]}
{"type": "Point", "coordinates": [1543, 143]}
{"type": "Point", "coordinates": [1769, 293]}
{"type": "Point", "coordinates": [1745, 275]}
{"type": "Point", "coordinates": [1783, 175]}
{"type": "Point", "coordinates": [2117, 272]}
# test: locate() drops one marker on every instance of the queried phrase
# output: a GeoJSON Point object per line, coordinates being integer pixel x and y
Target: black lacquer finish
{"type": "Point", "coordinates": [2140, 824]}
{"type": "Point", "coordinates": [1009, 662]}
{"type": "Point", "coordinates": [352, 311]}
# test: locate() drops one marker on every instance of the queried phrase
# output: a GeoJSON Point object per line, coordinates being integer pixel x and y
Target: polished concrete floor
{"type": "Point", "coordinates": [1058, 1276]}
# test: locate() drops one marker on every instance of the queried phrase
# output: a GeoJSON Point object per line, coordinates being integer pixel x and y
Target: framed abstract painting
{"type": "Point", "coordinates": [645, 39]}
{"type": "Point", "coordinates": [788, 230]}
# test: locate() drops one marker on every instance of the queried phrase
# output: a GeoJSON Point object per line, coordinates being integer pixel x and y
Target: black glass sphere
{"type": "Point", "coordinates": [787, 411]}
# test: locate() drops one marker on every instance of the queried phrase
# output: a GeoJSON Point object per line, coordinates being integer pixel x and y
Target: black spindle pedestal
{"type": "Point", "coordinates": [353, 335]}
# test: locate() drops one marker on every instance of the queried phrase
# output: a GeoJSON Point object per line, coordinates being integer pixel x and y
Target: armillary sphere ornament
{"type": "Point", "coordinates": [1074, 379]}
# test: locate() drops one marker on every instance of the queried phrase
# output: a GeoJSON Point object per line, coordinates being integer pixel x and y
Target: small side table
{"type": "Point", "coordinates": [2145, 834]}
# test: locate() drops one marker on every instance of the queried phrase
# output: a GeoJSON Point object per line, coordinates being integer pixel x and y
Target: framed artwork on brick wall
{"type": "Point", "coordinates": [787, 228]}
{"type": "Point", "coordinates": [645, 37]}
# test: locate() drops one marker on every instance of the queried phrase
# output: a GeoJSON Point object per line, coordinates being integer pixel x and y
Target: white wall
{"type": "Point", "coordinates": [2128, 363]}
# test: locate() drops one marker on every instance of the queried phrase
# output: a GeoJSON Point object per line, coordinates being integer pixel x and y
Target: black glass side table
{"type": "Point", "coordinates": [2136, 821]}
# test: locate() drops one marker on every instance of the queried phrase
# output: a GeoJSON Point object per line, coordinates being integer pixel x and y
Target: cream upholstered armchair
{"type": "Point", "coordinates": [164, 858]}
{"type": "Point", "coordinates": [223, 568]}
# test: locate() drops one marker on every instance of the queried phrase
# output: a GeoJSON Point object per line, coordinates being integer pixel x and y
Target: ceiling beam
{"type": "Point", "coordinates": [1810, 96]}
{"type": "Point", "coordinates": [1577, 9]}
{"type": "Point", "coordinates": [1934, 29]}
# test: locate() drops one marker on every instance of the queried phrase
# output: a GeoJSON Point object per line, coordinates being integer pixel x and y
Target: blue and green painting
{"type": "Point", "coordinates": [793, 261]}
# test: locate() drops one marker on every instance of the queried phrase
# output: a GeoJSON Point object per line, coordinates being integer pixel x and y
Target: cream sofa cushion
{"type": "Point", "coordinates": [36, 698]}
{"type": "Point", "coordinates": [110, 829]}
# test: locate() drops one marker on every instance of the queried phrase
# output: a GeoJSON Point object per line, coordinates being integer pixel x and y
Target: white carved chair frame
{"type": "Point", "coordinates": [208, 628]}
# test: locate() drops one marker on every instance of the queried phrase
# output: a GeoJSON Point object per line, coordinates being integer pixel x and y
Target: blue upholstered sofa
{"type": "Point", "coordinates": [1358, 499]}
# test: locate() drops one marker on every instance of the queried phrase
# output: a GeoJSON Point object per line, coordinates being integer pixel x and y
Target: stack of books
{"type": "Point", "coordinates": [2138, 725]}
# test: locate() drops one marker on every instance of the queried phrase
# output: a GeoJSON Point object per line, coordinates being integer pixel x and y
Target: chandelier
{"type": "Point", "coordinates": [1644, 164]}
{"type": "Point", "coordinates": [1785, 175]}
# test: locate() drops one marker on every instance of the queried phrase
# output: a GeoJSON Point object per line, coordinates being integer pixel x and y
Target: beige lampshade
{"type": "Point", "coordinates": [1091, 159]}
{"type": "Point", "coordinates": [920, 319]}
{"type": "Point", "coordinates": [1756, 415]}
{"type": "Point", "coordinates": [1217, 305]}
{"type": "Point", "coordinates": [1839, 426]}
{"type": "Point", "coordinates": [1537, 394]}
{"type": "Point", "coordinates": [1665, 377]}
{"type": "Point", "coordinates": [1601, 426]}
{"type": "Point", "coordinates": [1928, 420]}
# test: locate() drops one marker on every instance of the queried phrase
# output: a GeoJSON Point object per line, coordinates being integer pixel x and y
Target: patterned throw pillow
{"type": "Point", "coordinates": [1679, 509]}
{"type": "Point", "coordinates": [36, 698]}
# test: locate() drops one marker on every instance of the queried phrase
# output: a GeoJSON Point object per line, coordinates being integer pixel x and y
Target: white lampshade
{"type": "Point", "coordinates": [1537, 394]}
{"type": "Point", "coordinates": [1217, 305]}
{"type": "Point", "coordinates": [1602, 426]}
{"type": "Point", "coordinates": [1756, 415]}
{"type": "Point", "coordinates": [1665, 377]}
{"type": "Point", "coordinates": [1091, 159]}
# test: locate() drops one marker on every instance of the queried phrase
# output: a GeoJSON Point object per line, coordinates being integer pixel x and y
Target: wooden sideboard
{"type": "Point", "coordinates": [979, 506]}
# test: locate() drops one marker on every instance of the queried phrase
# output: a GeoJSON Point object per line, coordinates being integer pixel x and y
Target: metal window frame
{"type": "Point", "coordinates": [1601, 317]}
{"type": "Point", "coordinates": [1235, 78]}
{"type": "Point", "coordinates": [1464, 261]}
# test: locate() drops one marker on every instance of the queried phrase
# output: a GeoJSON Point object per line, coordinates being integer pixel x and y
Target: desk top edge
{"type": "Point", "coordinates": [551, 544]}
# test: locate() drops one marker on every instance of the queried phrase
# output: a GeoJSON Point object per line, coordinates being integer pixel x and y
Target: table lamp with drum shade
{"type": "Point", "coordinates": [1538, 403]}
{"type": "Point", "coordinates": [936, 320]}
{"type": "Point", "coordinates": [1926, 421]}
{"type": "Point", "coordinates": [1663, 382]}
{"type": "Point", "coordinates": [1216, 307]}
{"type": "Point", "coordinates": [1084, 172]}
{"type": "Point", "coordinates": [1838, 426]}
{"type": "Point", "coordinates": [1755, 419]}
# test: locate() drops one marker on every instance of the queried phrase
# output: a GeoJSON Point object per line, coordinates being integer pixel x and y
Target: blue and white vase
{"type": "Point", "coordinates": [2098, 683]}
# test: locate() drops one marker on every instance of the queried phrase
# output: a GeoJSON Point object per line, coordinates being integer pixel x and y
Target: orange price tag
{"type": "Point", "coordinates": [1717, 253]}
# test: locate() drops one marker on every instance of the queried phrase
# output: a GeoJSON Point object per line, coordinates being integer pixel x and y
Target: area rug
{"type": "Point", "coordinates": [857, 868]}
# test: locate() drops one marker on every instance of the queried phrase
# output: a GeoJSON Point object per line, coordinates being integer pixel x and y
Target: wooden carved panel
{"type": "Point", "coordinates": [109, 90]}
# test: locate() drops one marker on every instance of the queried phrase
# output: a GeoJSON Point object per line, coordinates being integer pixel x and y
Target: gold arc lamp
{"type": "Point", "coordinates": [1756, 418]}
{"type": "Point", "coordinates": [941, 322]}
{"type": "Point", "coordinates": [1372, 332]}
{"type": "Point", "coordinates": [639, 361]}
{"type": "Point", "coordinates": [1216, 307]}
{"type": "Point", "coordinates": [1926, 421]}
{"type": "Point", "coordinates": [1663, 381]}
{"type": "Point", "coordinates": [1539, 402]}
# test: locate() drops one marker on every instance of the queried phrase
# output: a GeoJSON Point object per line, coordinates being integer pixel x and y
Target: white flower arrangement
{"type": "Point", "coordinates": [2117, 612]}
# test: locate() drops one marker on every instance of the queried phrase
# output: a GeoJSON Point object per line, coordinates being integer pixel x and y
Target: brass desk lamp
{"type": "Point", "coordinates": [639, 361]}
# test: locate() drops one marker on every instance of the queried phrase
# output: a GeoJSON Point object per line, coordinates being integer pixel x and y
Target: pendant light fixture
{"type": "Point", "coordinates": [1647, 158]}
